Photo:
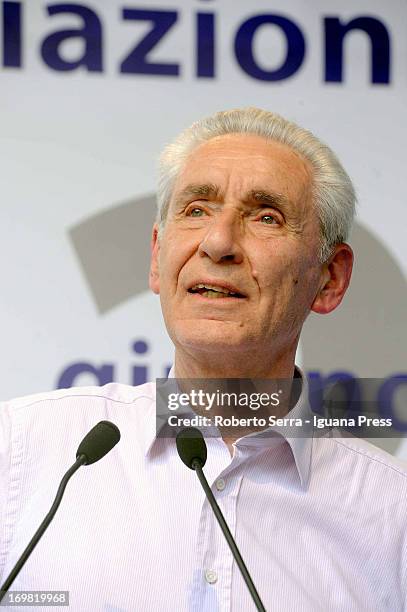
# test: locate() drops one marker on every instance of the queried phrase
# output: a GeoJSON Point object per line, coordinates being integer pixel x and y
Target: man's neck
{"type": "Point", "coordinates": [234, 366]}
{"type": "Point", "coordinates": [246, 367]}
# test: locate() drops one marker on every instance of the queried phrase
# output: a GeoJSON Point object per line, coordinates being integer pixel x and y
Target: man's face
{"type": "Point", "coordinates": [241, 217]}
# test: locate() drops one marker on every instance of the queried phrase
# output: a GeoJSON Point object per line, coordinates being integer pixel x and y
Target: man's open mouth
{"type": "Point", "coordinates": [214, 291]}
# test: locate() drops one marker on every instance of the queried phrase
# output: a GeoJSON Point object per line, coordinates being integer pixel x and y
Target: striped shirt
{"type": "Point", "coordinates": [320, 522]}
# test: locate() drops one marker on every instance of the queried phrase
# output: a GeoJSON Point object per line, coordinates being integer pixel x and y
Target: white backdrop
{"type": "Point", "coordinates": [78, 157]}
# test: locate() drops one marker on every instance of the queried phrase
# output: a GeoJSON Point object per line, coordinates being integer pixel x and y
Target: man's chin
{"type": "Point", "coordinates": [209, 335]}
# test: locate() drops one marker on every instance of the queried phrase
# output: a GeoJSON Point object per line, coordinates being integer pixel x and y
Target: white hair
{"type": "Point", "coordinates": [334, 195]}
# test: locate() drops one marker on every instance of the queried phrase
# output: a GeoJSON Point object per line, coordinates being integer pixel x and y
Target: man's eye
{"type": "Point", "coordinates": [195, 212]}
{"type": "Point", "coordinates": [269, 219]}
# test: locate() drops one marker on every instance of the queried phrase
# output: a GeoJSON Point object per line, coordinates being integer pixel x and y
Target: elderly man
{"type": "Point", "coordinates": [253, 217]}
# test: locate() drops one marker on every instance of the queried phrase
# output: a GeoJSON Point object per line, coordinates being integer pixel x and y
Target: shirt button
{"type": "Point", "coordinates": [220, 484]}
{"type": "Point", "coordinates": [211, 576]}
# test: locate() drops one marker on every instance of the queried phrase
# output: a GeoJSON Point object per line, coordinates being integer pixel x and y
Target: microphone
{"type": "Point", "coordinates": [95, 445]}
{"type": "Point", "coordinates": [192, 451]}
{"type": "Point", "coordinates": [191, 447]}
{"type": "Point", "coordinates": [98, 442]}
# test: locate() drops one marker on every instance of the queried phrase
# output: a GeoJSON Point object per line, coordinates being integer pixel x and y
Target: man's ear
{"type": "Point", "coordinates": [335, 279]}
{"type": "Point", "coordinates": [154, 277]}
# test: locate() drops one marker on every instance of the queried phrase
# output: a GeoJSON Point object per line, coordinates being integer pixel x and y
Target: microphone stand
{"type": "Point", "coordinates": [81, 460]}
{"type": "Point", "coordinates": [196, 465]}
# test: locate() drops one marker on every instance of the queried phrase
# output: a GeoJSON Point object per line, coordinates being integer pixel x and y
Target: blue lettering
{"type": "Point", "coordinates": [135, 62]}
{"type": "Point", "coordinates": [91, 33]}
{"type": "Point", "coordinates": [139, 373]}
{"type": "Point", "coordinates": [205, 45]}
{"type": "Point", "coordinates": [324, 393]}
{"type": "Point", "coordinates": [12, 34]}
{"type": "Point", "coordinates": [103, 374]}
{"type": "Point", "coordinates": [386, 400]}
{"type": "Point", "coordinates": [335, 32]}
{"type": "Point", "coordinates": [244, 47]}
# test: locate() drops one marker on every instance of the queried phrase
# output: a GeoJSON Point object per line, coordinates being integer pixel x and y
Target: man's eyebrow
{"type": "Point", "coordinates": [204, 190]}
{"type": "Point", "coordinates": [269, 197]}
{"type": "Point", "coordinates": [209, 190]}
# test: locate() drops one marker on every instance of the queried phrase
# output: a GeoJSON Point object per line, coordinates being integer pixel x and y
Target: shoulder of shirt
{"type": "Point", "coordinates": [370, 453]}
{"type": "Point", "coordinates": [115, 392]}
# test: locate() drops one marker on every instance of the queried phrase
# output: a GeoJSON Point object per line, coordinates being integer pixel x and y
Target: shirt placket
{"type": "Point", "coordinates": [215, 559]}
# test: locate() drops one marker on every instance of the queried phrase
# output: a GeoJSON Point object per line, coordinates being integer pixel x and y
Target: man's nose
{"type": "Point", "coordinates": [222, 239]}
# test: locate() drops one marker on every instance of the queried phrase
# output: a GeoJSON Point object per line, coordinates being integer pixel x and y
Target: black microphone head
{"type": "Point", "coordinates": [191, 445]}
{"type": "Point", "coordinates": [98, 441]}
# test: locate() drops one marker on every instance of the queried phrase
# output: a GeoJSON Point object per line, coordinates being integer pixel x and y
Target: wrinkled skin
{"type": "Point", "coordinates": [242, 212]}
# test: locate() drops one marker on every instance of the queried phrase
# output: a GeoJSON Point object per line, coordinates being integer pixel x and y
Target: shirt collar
{"type": "Point", "coordinates": [299, 439]}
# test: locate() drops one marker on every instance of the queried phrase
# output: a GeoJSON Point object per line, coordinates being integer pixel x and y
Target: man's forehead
{"type": "Point", "coordinates": [252, 146]}
{"type": "Point", "coordinates": [262, 157]}
{"type": "Point", "coordinates": [256, 166]}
